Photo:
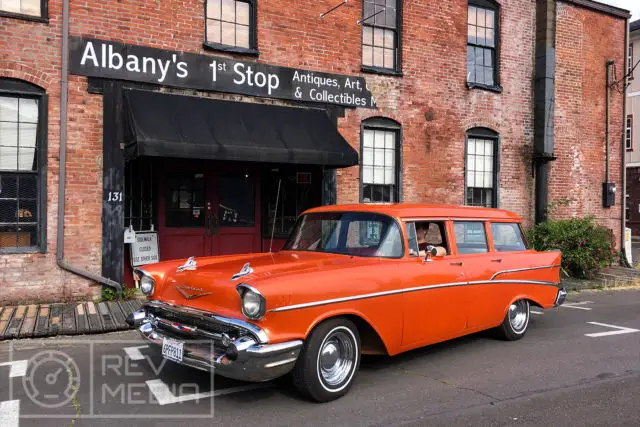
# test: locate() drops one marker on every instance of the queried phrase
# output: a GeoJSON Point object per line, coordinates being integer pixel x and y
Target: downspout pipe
{"type": "Point", "coordinates": [607, 118]}
{"type": "Point", "coordinates": [63, 161]}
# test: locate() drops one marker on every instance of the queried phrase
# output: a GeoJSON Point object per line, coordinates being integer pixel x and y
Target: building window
{"type": "Point", "coordinates": [630, 63]}
{"type": "Point", "coordinates": [381, 162]}
{"type": "Point", "coordinates": [627, 208]}
{"type": "Point", "coordinates": [22, 166]}
{"type": "Point", "coordinates": [482, 42]}
{"type": "Point", "coordinates": [381, 35]}
{"type": "Point", "coordinates": [481, 168]}
{"type": "Point", "coordinates": [231, 25]}
{"type": "Point", "coordinates": [24, 8]}
{"type": "Point", "coordinates": [629, 133]}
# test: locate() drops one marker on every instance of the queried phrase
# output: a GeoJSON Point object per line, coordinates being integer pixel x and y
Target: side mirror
{"type": "Point", "coordinates": [430, 253]}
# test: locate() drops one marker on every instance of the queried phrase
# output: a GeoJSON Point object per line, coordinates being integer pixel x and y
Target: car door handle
{"type": "Point", "coordinates": [456, 263]}
{"type": "Point", "coordinates": [496, 260]}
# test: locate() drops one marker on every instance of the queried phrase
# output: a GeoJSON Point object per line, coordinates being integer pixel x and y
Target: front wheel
{"type": "Point", "coordinates": [329, 360]}
{"type": "Point", "coordinates": [516, 321]}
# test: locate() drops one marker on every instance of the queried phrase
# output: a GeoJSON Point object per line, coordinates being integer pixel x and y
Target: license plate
{"type": "Point", "coordinates": [172, 349]}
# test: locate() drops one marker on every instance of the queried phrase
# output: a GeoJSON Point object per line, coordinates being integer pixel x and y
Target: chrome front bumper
{"type": "Point", "coordinates": [562, 295]}
{"type": "Point", "coordinates": [242, 358]}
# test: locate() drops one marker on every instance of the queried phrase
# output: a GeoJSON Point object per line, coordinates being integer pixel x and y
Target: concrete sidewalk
{"type": "Point", "coordinates": [45, 320]}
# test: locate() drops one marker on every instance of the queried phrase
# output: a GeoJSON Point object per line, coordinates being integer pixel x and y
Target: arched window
{"type": "Point", "coordinates": [481, 168]}
{"type": "Point", "coordinates": [23, 123]}
{"type": "Point", "coordinates": [381, 160]}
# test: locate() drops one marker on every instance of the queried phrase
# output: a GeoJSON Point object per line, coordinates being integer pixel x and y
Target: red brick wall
{"type": "Point", "coordinates": [585, 41]}
{"type": "Point", "coordinates": [434, 66]}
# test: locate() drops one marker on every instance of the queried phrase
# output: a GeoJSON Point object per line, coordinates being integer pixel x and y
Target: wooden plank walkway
{"type": "Point", "coordinates": [45, 320]}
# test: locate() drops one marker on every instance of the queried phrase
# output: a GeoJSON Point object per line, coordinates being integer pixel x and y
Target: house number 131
{"type": "Point", "coordinates": [115, 196]}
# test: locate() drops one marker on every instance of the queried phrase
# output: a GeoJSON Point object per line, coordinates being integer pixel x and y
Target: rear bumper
{"type": "Point", "coordinates": [560, 297]}
{"type": "Point", "coordinates": [242, 359]}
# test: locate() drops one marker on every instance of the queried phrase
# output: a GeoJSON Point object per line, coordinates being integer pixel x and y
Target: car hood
{"type": "Point", "coordinates": [211, 286]}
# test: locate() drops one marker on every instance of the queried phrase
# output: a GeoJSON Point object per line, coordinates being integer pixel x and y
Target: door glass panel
{"type": "Point", "coordinates": [470, 237]}
{"type": "Point", "coordinates": [185, 201]}
{"type": "Point", "coordinates": [507, 237]}
{"type": "Point", "coordinates": [237, 201]}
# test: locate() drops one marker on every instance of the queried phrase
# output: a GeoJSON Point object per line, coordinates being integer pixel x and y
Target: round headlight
{"type": "Point", "coordinates": [253, 303]}
{"type": "Point", "coordinates": [146, 285]}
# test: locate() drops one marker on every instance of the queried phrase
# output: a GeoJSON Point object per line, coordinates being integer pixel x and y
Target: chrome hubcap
{"type": "Point", "coordinates": [518, 314]}
{"type": "Point", "coordinates": [336, 359]}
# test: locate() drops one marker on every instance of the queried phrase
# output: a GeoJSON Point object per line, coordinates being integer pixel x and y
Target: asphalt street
{"type": "Point", "coordinates": [578, 365]}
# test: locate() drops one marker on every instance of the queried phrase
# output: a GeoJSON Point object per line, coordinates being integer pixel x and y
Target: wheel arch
{"type": "Point", "coordinates": [371, 341]}
{"type": "Point", "coordinates": [533, 301]}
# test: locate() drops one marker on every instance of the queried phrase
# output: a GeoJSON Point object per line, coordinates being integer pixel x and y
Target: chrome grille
{"type": "Point", "coordinates": [204, 328]}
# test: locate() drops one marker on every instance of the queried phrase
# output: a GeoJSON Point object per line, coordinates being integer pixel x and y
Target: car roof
{"type": "Point", "coordinates": [422, 210]}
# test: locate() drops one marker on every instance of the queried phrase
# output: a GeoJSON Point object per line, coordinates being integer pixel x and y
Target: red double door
{"type": "Point", "coordinates": [208, 209]}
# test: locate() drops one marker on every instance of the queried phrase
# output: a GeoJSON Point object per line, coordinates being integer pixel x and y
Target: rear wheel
{"type": "Point", "coordinates": [516, 321]}
{"type": "Point", "coordinates": [329, 361]}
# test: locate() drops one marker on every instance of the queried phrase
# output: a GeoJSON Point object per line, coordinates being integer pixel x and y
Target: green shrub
{"type": "Point", "coordinates": [109, 294]}
{"type": "Point", "coordinates": [586, 246]}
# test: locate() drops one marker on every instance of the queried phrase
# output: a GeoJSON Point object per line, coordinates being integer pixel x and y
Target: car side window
{"type": "Point", "coordinates": [427, 233]}
{"type": "Point", "coordinates": [470, 237]}
{"type": "Point", "coordinates": [507, 237]}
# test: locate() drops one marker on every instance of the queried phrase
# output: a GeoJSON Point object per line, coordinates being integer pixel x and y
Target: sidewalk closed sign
{"type": "Point", "coordinates": [145, 249]}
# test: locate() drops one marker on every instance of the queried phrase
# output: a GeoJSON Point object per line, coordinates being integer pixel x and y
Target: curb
{"type": "Point", "coordinates": [48, 320]}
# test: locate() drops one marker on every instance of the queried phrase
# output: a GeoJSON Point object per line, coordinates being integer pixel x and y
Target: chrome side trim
{"type": "Point", "coordinates": [516, 270]}
{"type": "Point", "coordinates": [408, 290]}
{"type": "Point", "coordinates": [256, 331]}
{"type": "Point", "coordinates": [524, 282]}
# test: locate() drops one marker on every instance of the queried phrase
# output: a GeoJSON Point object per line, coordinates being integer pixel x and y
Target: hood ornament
{"type": "Point", "coordinates": [191, 293]}
{"type": "Point", "coordinates": [190, 264]}
{"type": "Point", "coordinates": [246, 269]}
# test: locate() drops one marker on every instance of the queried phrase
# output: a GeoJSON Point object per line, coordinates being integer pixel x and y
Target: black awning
{"type": "Point", "coordinates": [169, 125]}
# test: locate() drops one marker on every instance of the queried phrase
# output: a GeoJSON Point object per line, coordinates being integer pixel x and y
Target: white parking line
{"type": "Point", "coordinates": [164, 396]}
{"type": "Point", "coordinates": [620, 330]}
{"type": "Point", "coordinates": [577, 305]}
{"type": "Point", "coordinates": [18, 368]}
{"type": "Point", "coordinates": [536, 312]}
{"type": "Point", "coordinates": [134, 352]}
{"type": "Point", "coordinates": [10, 413]}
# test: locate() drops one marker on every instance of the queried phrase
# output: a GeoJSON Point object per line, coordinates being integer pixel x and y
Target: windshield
{"type": "Point", "coordinates": [353, 233]}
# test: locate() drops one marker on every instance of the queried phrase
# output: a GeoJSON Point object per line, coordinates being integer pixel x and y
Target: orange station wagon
{"type": "Point", "coordinates": [351, 280]}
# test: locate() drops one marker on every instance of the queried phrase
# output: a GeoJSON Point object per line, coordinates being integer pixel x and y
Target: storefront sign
{"type": "Point", "coordinates": [145, 249]}
{"type": "Point", "coordinates": [106, 59]}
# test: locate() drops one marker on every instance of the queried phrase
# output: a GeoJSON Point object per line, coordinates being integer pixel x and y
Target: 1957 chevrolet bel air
{"type": "Point", "coordinates": [351, 280]}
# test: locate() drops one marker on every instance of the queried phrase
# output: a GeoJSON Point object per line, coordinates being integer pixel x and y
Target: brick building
{"type": "Point", "coordinates": [632, 124]}
{"type": "Point", "coordinates": [196, 119]}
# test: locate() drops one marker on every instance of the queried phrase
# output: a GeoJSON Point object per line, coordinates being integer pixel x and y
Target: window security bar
{"type": "Point", "coordinates": [322, 15]}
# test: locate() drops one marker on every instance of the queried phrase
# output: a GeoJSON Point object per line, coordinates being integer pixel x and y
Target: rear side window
{"type": "Point", "coordinates": [507, 237]}
{"type": "Point", "coordinates": [470, 237]}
